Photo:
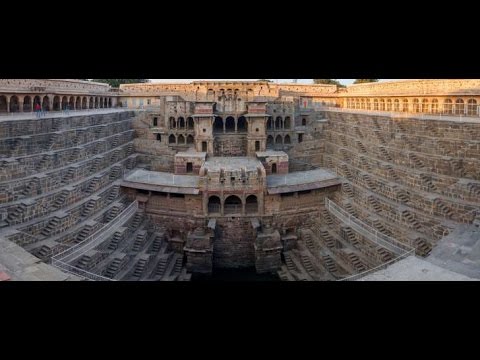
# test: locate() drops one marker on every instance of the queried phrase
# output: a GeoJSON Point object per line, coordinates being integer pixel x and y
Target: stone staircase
{"type": "Point", "coordinates": [50, 227]}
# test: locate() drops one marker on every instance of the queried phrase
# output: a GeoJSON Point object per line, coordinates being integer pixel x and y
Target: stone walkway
{"type": "Point", "coordinates": [59, 114]}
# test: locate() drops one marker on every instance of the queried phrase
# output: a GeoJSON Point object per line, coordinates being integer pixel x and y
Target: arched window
{"type": "Point", "coordinates": [424, 108]}
{"type": "Point", "coordinates": [416, 105]}
{"type": "Point", "coordinates": [270, 123]}
{"type": "Point", "coordinates": [251, 205]}
{"type": "Point", "coordinates": [242, 124]}
{"type": "Point", "coordinates": [189, 139]}
{"type": "Point", "coordinates": [270, 141]}
{"type": "Point", "coordinates": [447, 106]}
{"type": "Point", "coordinates": [84, 103]}
{"type": "Point", "coordinates": [56, 103]}
{"type": "Point", "coordinates": [278, 140]}
{"type": "Point", "coordinates": [369, 105]}
{"type": "Point", "coordinates": [172, 140]}
{"type": "Point", "coordinates": [181, 139]}
{"type": "Point", "coordinates": [405, 105]}
{"type": "Point", "coordinates": [159, 137]}
{"type": "Point", "coordinates": [181, 123]}
{"type": "Point", "coordinates": [233, 205]}
{"type": "Point", "coordinates": [382, 105]}
{"type": "Point", "coordinates": [218, 125]}
{"type": "Point", "coordinates": [435, 106]}
{"type": "Point", "coordinates": [14, 104]}
{"type": "Point", "coordinates": [64, 102]}
{"type": "Point", "coordinates": [46, 103]}
{"type": "Point", "coordinates": [287, 140]}
{"type": "Point", "coordinates": [3, 103]}
{"type": "Point", "coordinates": [389, 105]}
{"type": "Point", "coordinates": [190, 123]}
{"type": "Point", "coordinates": [278, 123]}
{"type": "Point", "coordinates": [214, 205]}
{"type": "Point", "coordinates": [91, 103]}
{"type": "Point", "coordinates": [396, 105]}
{"type": "Point", "coordinates": [472, 107]}
{"type": "Point", "coordinates": [173, 122]}
{"type": "Point", "coordinates": [73, 105]}
{"type": "Point", "coordinates": [27, 104]}
{"type": "Point", "coordinates": [287, 123]}
{"type": "Point", "coordinates": [460, 107]}
{"type": "Point", "coordinates": [230, 124]}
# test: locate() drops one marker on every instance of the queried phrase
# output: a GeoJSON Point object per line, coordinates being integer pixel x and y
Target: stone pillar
{"type": "Point", "coordinates": [8, 104]}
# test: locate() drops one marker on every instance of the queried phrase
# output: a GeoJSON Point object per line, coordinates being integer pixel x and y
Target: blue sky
{"type": "Point", "coordinates": [300, 81]}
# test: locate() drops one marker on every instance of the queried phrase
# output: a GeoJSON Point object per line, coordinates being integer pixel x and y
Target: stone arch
{"type": "Point", "coordinates": [368, 104]}
{"type": "Point", "coordinates": [27, 104]}
{"type": "Point", "coordinates": [270, 123]}
{"type": "Point", "coordinates": [287, 139]}
{"type": "Point", "coordinates": [435, 106]}
{"type": "Point", "coordinates": [375, 104]}
{"type": "Point", "coordinates": [37, 100]}
{"type": "Point", "coordinates": [3, 103]}
{"type": "Point", "coordinates": [105, 102]}
{"type": "Point", "coordinates": [96, 102]}
{"type": "Point", "coordinates": [416, 105]}
{"type": "Point", "coordinates": [405, 105]}
{"type": "Point", "coordinates": [190, 123]}
{"type": "Point", "coordinates": [232, 205]}
{"type": "Point", "coordinates": [64, 102]}
{"type": "Point", "coordinates": [91, 103]}
{"type": "Point", "coordinates": [278, 122]}
{"type": "Point", "coordinates": [278, 140]}
{"type": "Point", "coordinates": [172, 139]}
{"type": "Point", "coordinates": [159, 137]}
{"type": "Point", "coordinates": [270, 141]}
{"type": "Point", "coordinates": [46, 103]}
{"type": "Point", "coordinates": [362, 103]}
{"type": "Point", "coordinates": [214, 205]}
{"type": "Point", "coordinates": [389, 104]}
{"type": "Point", "coordinates": [242, 124]}
{"type": "Point", "coordinates": [230, 124]}
{"type": "Point", "coordinates": [382, 104]}
{"type": "Point", "coordinates": [57, 106]}
{"type": "Point", "coordinates": [74, 105]}
{"type": "Point", "coordinates": [396, 105]}
{"type": "Point", "coordinates": [472, 107]}
{"type": "Point", "coordinates": [287, 123]}
{"type": "Point", "coordinates": [109, 102]}
{"type": "Point", "coordinates": [447, 106]}
{"type": "Point", "coordinates": [181, 139]}
{"type": "Point", "coordinates": [14, 104]}
{"type": "Point", "coordinates": [218, 125]}
{"type": "Point", "coordinates": [84, 102]}
{"type": "Point", "coordinates": [172, 122]}
{"type": "Point", "coordinates": [459, 107]}
{"type": "Point", "coordinates": [190, 139]}
{"type": "Point", "coordinates": [181, 123]}
{"type": "Point", "coordinates": [251, 204]}
{"type": "Point", "coordinates": [425, 106]}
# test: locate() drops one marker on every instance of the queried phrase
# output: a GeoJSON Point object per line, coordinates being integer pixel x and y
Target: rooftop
{"type": "Point", "coordinates": [232, 163]}
{"type": "Point", "coordinates": [301, 180]}
{"type": "Point", "coordinates": [162, 182]}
